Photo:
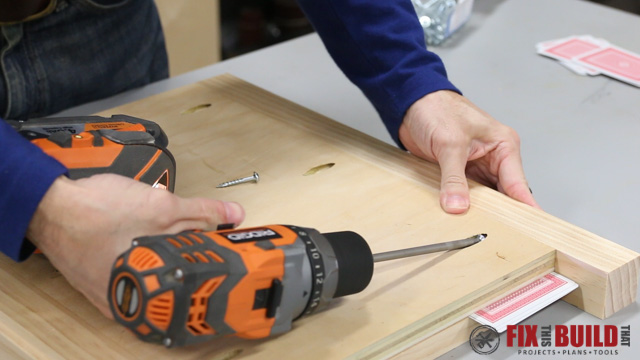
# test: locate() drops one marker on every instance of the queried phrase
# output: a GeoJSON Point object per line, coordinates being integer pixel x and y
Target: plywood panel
{"type": "Point", "coordinates": [386, 195]}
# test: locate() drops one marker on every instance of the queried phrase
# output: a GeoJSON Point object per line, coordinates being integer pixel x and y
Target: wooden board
{"type": "Point", "coordinates": [386, 195]}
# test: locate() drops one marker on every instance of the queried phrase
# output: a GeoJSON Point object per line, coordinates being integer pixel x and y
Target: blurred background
{"type": "Point", "coordinates": [201, 33]}
{"type": "Point", "coordinates": [252, 24]}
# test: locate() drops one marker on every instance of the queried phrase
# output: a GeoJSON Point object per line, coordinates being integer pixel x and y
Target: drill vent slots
{"type": "Point", "coordinates": [196, 238]}
{"type": "Point", "coordinates": [187, 240]}
{"type": "Point", "coordinates": [197, 256]}
{"type": "Point", "coordinates": [174, 242]}
{"type": "Point", "coordinates": [142, 259]}
{"type": "Point", "coordinates": [198, 310]}
{"type": "Point", "coordinates": [201, 257]}
{"type": "Point", "coordinates": [182, 240]}
{"type": "Point", "coordinates": [160, 310]}
{"type": "Point", "coordinates": [215, 257]}
{"type": "Point", "coordinates": [189, 258]}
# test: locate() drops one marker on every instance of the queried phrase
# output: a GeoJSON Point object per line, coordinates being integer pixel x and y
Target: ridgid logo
{"type": "Point", "coordinates": [568, 340]}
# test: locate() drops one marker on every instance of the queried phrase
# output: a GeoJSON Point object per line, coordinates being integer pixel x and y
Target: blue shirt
{"type": "Point", "coordinates": [26, 173]}
{"type": "Point", "coordinates": [379, 45]}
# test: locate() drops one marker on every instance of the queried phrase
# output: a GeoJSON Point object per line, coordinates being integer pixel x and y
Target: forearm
{"type": "Point", "coordinates": [380, 47]}
{"type": "Point", "coordinates": [52, 225]}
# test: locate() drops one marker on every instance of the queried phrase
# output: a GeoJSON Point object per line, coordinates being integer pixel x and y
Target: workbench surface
{"type": "Point", "coordinates": [579, 134]}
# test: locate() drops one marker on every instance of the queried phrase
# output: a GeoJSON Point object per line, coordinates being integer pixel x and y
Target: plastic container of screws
{"type": "Point", "coordinates": [441, 18]}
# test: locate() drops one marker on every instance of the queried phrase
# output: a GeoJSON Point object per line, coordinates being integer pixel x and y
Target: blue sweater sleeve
{"type": "Point", "coordinates": [26, 173]}
{"type": "Point", "coordinates": [380, 47]}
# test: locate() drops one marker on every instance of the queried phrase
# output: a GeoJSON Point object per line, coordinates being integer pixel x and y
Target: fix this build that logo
{"type": "Point", "coordinates": [597, 340]}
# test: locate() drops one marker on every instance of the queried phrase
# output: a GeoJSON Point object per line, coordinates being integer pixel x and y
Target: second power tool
{"type": "Point", "coordinates": [90, 145]}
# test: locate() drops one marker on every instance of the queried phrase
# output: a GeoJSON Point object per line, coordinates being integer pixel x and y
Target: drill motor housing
{"type": "Point", "coordinates": [192, 287]}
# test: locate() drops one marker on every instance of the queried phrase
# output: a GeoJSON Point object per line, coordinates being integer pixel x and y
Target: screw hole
{"type": "Point", "coordinates": [195, 109]}
{"type": "Point", "coordinates": [315, 169]}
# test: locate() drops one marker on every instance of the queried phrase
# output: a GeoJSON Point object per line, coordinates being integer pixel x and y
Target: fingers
{"type": "Point", "coordinates": [446, 128]}
{"type": "Point", "coordinates": [512, 181]}
{"type": "Point", "coordinates": [454, 189]}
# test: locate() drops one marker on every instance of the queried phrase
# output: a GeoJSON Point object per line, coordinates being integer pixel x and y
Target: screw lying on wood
{"type": "Point", "coordinates": [252, 178]}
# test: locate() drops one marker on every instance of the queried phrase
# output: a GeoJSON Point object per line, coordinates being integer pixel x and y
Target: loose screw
{"type": "Point", "coordinates": [253, 178]}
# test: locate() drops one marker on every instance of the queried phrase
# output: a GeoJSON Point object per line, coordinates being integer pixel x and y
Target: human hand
{"type": "Point", "coordinates": [446, 128]}
{"type": "Point", "coordinates": [83, 225]}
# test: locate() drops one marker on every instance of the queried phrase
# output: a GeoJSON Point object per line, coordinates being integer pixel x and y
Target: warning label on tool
{"type": "Point", "coordinates": [106, 125]}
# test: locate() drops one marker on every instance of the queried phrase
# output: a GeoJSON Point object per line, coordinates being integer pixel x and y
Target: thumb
{"type": "Point", "coordinates": [204, 213]}
{"type": "Point", "coordinates": [454, 189]}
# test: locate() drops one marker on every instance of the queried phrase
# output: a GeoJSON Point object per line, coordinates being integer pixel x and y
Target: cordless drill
{"type": "Point", "coordinates": [194, 286]}
{"type": "Point", "coordinates": [90, 145]}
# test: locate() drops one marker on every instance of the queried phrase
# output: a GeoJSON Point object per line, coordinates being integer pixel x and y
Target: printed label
{"type": "Point", "coordinates": [256, 234]}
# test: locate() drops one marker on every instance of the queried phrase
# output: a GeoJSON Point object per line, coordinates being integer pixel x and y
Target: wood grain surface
{"type": "Point", "coordinates": [224, 128]}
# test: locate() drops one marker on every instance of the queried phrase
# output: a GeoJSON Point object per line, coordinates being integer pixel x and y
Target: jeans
{"type": "Point", "coordinates": [85, 50]}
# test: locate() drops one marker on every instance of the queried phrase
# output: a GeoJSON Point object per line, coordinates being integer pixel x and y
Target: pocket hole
{"type": "Point", "coordinates": [195, 109]}
{"type": "Point", "coordinates": [315, 169]}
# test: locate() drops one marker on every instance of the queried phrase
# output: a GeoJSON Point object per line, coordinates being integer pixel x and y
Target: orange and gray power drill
{"type": "Point", "coordinates": [89, 145]}
{"type": "Point", "coordinates": [194, 286]}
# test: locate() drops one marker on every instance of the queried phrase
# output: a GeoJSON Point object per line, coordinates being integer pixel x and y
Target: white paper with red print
{"type": "Point", "coordinates": [588, 55]}
{"type": "Point", "coordinates": [524, 302]}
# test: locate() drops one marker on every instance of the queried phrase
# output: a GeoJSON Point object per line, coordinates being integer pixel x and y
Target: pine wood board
{"type": "Point", "coordinates": [386, 195]}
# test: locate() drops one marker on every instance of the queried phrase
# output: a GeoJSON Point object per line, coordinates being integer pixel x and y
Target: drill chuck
{"type": "Point", "coordinates": [352, 258]}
